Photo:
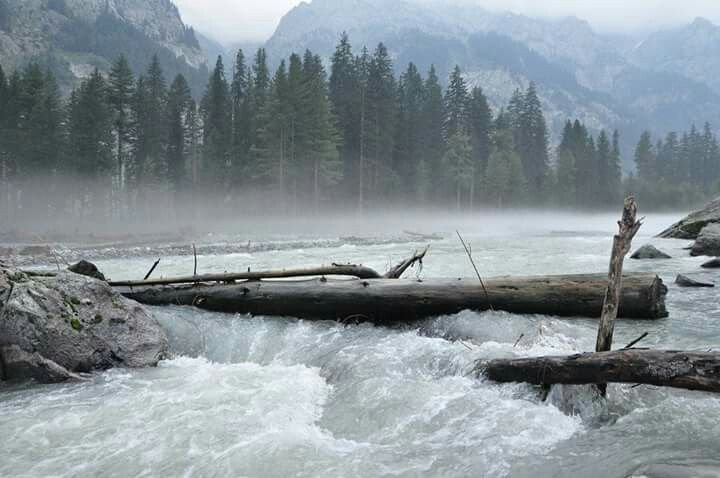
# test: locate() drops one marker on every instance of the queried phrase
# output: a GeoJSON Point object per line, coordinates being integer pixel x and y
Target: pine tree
{"type": "Point", "coordinates": [532, 144]}
{"type": "Point", "coordinates": [645, 158]}
{"type": "Point", "coordinates": [432, 138]}
{"type": "Point", "coordinates": [458, 164]}
{"type": "Point", "coordinates": [362, 68]}
{"type": "Point", "coordinates": [180, 103]}
{"type": "Point", "coordinates": [347, 97]}
{"type": "Point", "coordinates": [321, 148]}
{"type": "Point", "coordinates": [216, 109]}
{"type": "Point", "coordinates": [456, 104]}
{"type": "Point", "coordinates": [604, 170]}
{"type": "Point", "coordinates": [504, 176]}
{"type": "Point", "coordinates": [120, 92]}
{"type": "Point", "coordinates": [241, 118]}
{"type": "Point", "coordinates": [90, 140]}
{"type": "Point", "coordinates": [381, 112]}
{"type": "Point", "coordinates": [480, 128]}
{"type": "Point", "coordinates": [409, 138]}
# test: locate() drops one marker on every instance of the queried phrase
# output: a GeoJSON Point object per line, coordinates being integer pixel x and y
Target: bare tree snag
{"type": "Point", "coordinates": [629, 226]}
{"type": "Point", "coordinates": [689, 370]}
{"type": "Point", "coordinates": [397, 271]}
{"type": "Point", "coordinates": [386, 301]}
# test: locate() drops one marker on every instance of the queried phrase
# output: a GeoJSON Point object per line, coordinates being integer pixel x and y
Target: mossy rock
{"type": "Point", "coordinates": [76, 324]}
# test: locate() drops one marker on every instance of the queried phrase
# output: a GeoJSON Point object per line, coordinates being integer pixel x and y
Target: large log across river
{"type": "Point", "coordinates": [689, 370]}
{"type": "Point", "coordinates": [385, 301]}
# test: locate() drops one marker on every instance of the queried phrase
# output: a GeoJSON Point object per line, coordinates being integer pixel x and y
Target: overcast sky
{"type": "Point", "coordinates": [242, 20]}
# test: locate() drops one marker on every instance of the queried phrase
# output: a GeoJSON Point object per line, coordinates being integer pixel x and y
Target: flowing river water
{"type": "Point", "coordinates": [277, 397]}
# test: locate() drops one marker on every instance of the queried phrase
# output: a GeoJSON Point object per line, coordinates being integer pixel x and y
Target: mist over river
{"type": "Point", "coordinates": [277, 397]}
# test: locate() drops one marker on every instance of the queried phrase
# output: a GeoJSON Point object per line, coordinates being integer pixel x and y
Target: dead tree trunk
{"type": "Point", "coordinates": [622, 242]}
{"type": "Point", "coordinates": [689, 370]}
{"type": "Point", "coordinates": [398, 300]}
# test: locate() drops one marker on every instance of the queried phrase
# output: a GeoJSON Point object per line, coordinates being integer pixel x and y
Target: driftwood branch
{"type": "Point", "coordinates": [689, 370]}
{"type": "Point", "coordinates": [397, 271]}
{"type": "Point", "coordinates": [352, 270]}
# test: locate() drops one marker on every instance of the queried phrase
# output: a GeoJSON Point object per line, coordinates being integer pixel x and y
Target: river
{"type": "Point", "coordinates": [277, 397]}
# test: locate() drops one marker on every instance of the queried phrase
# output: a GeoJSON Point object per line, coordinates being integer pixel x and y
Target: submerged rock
{"type": "Point", "coordinates": [708, 242]}
{"type": "Point", "coordinates": [649, 251]}
{"type": "Point", "coordinates": [52, 328]}
{"type": "Point", "coordinates": [685, 281]}
{"type": "Point", "coordinates": [690, 227]}
{"type": "Point", "coordinates": [712, 264]}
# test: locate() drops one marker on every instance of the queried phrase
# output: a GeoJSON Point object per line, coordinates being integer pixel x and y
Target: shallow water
{"type": "Point", "coordinates": [281, 397]}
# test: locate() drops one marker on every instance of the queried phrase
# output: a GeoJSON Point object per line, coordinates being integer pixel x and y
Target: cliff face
{"type": "Point", "coordinates": [75, 36]}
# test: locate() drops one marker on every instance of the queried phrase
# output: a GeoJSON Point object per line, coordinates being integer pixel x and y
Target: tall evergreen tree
{"type": "Point", "coordinates": [645, 158]}
{"type": "Point", "coordinates": [120, 92]}
{"type": "Point", "coordinates": [180, 104]}
{"type": "Point", "coordinates": [458, 164]}
{"type": "Point", "coordinates": [241, 117]}
{"type": "Point", "coordinates": [381, 112]}
{"type": "Point", "coordinates": [432, 138]}
{"type": "Point", "coordinates": [216, 111]}
{"type": "Point", "coordinates": [456, 104]}
{"type": "Point", "coordinates": [408, 145]}
{"type": "Point", "coordinates": [480, 128]}
{"type": "Point", "coordinates": [532, 144]}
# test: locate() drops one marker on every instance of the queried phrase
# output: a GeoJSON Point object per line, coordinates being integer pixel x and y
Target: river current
{"type": "Point", "coordinates": [277, 397]}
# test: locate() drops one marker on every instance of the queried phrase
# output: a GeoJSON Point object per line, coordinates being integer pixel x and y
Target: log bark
{"type": "Point", "coordinates": [397, 271]}
{"type": "Point", "coordinates": [352, 270]}
{"type": "Point", "coordinates": [386, 301]}
{"type": "Point", "coordinates": [689, 370]}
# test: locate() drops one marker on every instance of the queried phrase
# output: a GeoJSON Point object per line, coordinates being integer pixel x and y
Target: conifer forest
{"type": "Point", "coordinates": [308, 138]}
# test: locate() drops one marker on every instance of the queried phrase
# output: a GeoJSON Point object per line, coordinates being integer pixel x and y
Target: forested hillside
{"type": "Point", "coordinates": [300, 139]}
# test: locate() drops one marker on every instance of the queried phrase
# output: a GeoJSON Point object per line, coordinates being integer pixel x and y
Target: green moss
{"type": "Point", "coordinates": [76, 324]}
{"type": "Point", "coordinates": [97, 319]}
{"type": "Point", "coordinates": [74, 300]}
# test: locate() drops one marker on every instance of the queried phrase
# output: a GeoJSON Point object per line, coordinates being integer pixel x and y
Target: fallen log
{"type": "Point", "coordinates": [689, 370]}
{"type": "Point", "coordinates": [352, 270]}
{"type": "Point", "coordinates": [387, 301]}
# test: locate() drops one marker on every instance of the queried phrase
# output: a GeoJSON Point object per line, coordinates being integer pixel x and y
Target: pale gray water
{"type": "Point", "coordinates": [281, 397]}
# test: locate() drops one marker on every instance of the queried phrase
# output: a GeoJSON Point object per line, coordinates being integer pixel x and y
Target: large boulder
{"type": "Point", "coordinates": [707, 242]}
{"type": "Point", "coordinates": [649, 251]}
{"type": "Point", "coordinates": [52, 328]}
{"type": "Point", "coordinates": [690, 227]}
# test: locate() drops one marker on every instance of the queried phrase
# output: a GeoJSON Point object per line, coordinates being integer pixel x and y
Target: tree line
{"type": "Point", "coordinates": [301, 139]}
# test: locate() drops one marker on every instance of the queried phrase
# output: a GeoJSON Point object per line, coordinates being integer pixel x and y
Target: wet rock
{"type": "Point", "coordinates": [52, 328]}
{"type": "Point", "coordinates": [649, 251]}
{"type": "Point", "coordinates": [708, 242]}
{"type": "Point", "coordinates": [685, 281]}
{"type": "Point", "coordinates": [35, 251]}
{"type": "Point", "coordinates": [690, 227]}
{"type": "Point", "coordinates": [712, 264]}
{"type": "Point", "coordinates": [88, 269]}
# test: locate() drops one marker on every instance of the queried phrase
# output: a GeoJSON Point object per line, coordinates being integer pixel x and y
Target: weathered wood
{"type": "Point", "coordinates": [629, 226]}
{"type": "Point", "coordinates": [397, 271]}
{"type": "Point", "coordinates": [351, 270]}
{"type": "Point", "coordinates": [403, 300]}
{"type": "Point", "coordinates": [689, 370]}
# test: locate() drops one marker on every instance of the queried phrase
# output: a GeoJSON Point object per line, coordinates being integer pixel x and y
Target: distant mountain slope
{"type": "Point", "coordinates": [75, 36]}
{"type": "Point", "coordinates": [579, 73]}
{"type": "Point", "coordinates": [692, 51]}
